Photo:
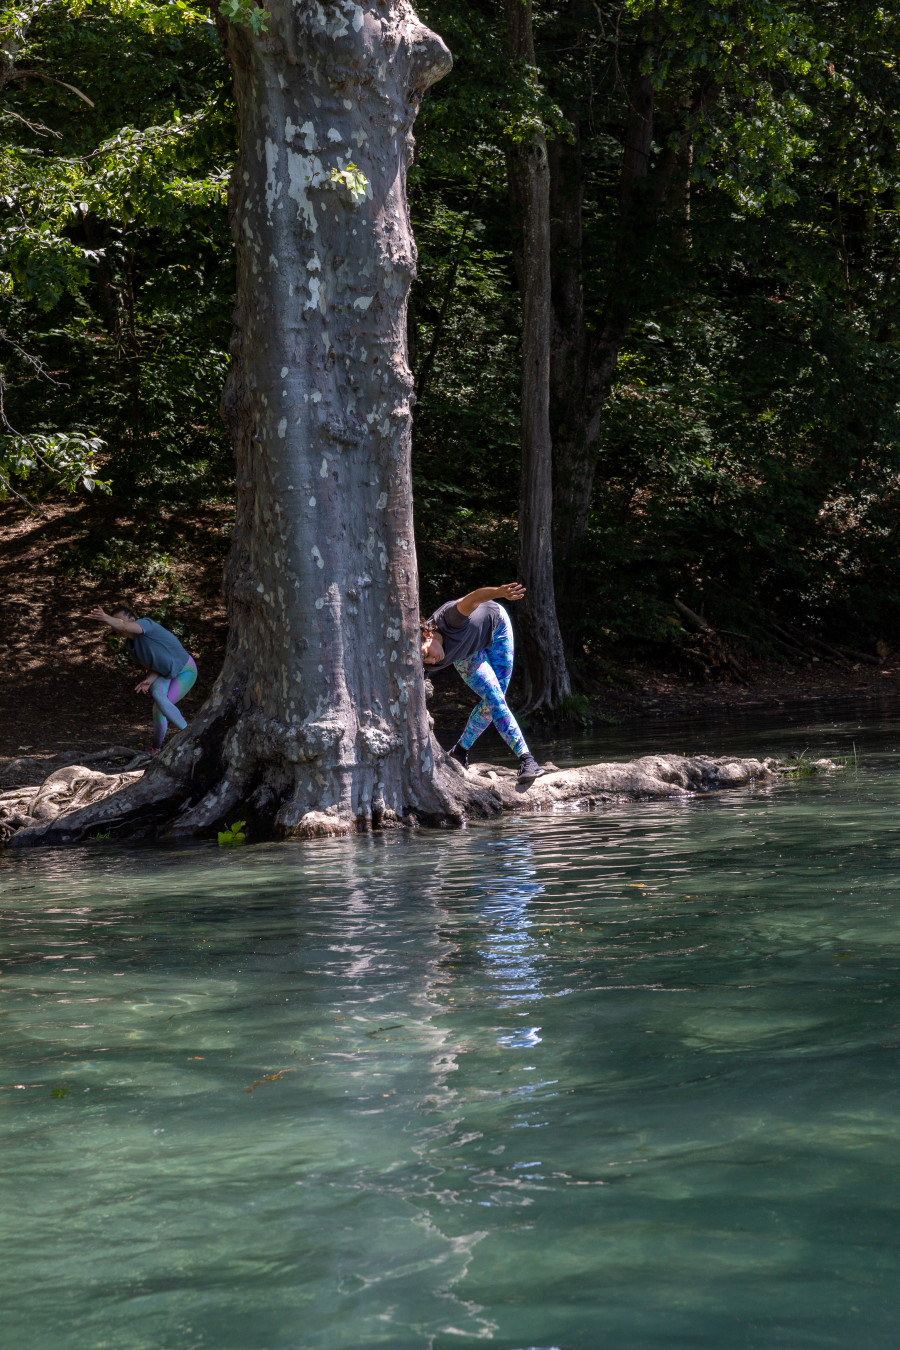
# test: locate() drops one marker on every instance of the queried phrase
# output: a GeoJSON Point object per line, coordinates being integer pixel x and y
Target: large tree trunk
{"type": "Point", "coordinates": [546, 676]}
{"type": "Point", "coordinates": [317, 723]}
{"type": "Point", "coordinates": [322, 584]}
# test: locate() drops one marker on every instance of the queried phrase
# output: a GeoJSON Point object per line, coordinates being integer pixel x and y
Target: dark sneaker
{"type": "Point", "coordinates": [529, 769]}
{"type": "Point", "coordinates": [461, 755]}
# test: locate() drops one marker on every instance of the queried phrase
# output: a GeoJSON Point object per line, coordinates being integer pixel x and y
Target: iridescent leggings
{"type": "Point", "coordinates": [165, 694]}
{"type": "Point", "coordinates": [488, 673]}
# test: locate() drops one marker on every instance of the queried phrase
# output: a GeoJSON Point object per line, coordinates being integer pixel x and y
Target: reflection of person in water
{"type": "Point", "coordinates": [509, 879]}
{"type": "Point", "coordinates": [474, 635]}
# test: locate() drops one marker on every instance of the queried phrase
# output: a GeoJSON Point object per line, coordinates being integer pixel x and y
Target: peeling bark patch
{"type": "Point", "coordinates": [301, 171]}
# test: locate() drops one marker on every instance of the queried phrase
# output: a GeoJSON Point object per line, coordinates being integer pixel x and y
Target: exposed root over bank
{"type": "Point", "coordinates": [76, 803]}
{"type": "Point", "coordinates": [645, 779]}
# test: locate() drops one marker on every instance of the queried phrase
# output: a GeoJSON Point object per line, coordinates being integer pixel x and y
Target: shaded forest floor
{"type": "Point", "coordinates": [66, 686]}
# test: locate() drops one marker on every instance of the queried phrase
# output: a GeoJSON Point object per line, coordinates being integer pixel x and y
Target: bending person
{"type": "Point", "coordinates": [474, 635]}
{"type": "Point", "coordinates": [173, 671]}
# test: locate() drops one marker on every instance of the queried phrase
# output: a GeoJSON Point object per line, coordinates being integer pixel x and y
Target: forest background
{"type": "Point", "coordinates": [725, 380]}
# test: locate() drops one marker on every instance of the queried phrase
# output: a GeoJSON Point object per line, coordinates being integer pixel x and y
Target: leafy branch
{"type": "Point", "coordinates": [247, 14]}
{"type": "Point", "coordinates": [68, 457]}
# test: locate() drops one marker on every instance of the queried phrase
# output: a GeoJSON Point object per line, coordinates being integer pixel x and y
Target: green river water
{"type": "Point", "coordinates": [626, 1080]}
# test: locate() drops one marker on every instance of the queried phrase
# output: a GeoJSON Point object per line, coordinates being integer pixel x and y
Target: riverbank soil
{"type": "Point", "coordinates": [65, 685]}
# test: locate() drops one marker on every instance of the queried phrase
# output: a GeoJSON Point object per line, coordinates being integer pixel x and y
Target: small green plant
{"type": "Point", "coordinates": [354, 180]}
{"type": "Point", "coordinates": [848, 763]}
{"type": "Point", "coordinates": [233, 835]}
{"type": "Point", "coordinates": [102, 834]}
{"type": "Point", "coordinates": [798, 766]}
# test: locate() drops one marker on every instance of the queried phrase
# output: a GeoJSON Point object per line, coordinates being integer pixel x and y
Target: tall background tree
{"type": "Point", "coordinates": [546, 678]}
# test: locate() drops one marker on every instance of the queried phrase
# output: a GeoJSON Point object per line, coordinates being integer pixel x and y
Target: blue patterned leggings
{"type": "Point", "coordinates": [165, 694]}
{"type": "Point", "coordinates": [488, 674]}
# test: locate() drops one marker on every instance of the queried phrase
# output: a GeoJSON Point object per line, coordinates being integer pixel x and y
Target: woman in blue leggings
{"type": "Point", "coordinates": [474, 635]}
{"type": "Point", "coordinates": [172, 670]}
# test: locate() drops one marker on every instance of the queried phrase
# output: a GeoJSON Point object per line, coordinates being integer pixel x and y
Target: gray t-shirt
{"type": "Point", "coordinates": [158, 648]}
{"type": "Point", "coordinates": [464, 635]}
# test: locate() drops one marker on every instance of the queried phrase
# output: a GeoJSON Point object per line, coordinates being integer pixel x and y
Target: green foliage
{"type": "Point", "coordinates": [761, 57]}
{"type": "Point", "coordinates": [247, 13]}
{"type": "Point", "coordinates": [116, 261]}
{"type": "Point", "coordinates": [63, 460]}
{"type": "Point", "coordinates": [98, 556]}
{"type": "Point", "coordinates": [749, 461]}
{"type": "Point", "coordinates": [232, 836]}
{"type": "Point", "coordinates": [750, 449]}
{"type": "Point", "coordinates": [151, 16]}
{"type": "Point", "coordinates": [797, 766]}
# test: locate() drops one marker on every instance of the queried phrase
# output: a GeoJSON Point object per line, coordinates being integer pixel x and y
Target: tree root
{"type": "Point", "coordinates": [136, 804]}
{"type": "Point", "coordinates": [648, 778]}
{"type": "Point", "coordinates": [77, 803]}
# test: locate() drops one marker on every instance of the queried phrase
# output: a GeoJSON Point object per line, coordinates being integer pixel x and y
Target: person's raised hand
{"type": "Point", "coordinates": [145, 685]}
{"type": "Point", "coordinates": [99, 613]}
{"type": "Point", "coordinates": [511, 591]}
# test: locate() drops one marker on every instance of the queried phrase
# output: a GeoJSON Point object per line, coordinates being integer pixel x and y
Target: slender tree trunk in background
{"type": "Point", "coordinates": [631, 251]}
{"type": "Point", "coordinates": [427, 366]}
{"type": "Point", "coordinates": [571, 393]}
{"type": "Point", "coordinates": [317, 722]}
{"type": "Point", "coordinates": [585, 363]}
{"type": "Point", "coordinates": [546, 676]}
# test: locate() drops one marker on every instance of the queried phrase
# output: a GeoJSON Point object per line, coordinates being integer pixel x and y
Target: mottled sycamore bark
{"type": "Point", "coordinates": [321, 582]}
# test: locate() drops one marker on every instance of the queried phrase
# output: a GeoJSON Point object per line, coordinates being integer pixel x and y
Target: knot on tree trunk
{"type": "Point", "coordinates": [379, 741]}
{"type": "Point", "coordinates": [258, 739]}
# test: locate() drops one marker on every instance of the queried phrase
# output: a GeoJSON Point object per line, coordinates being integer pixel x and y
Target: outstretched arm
{"type": "Point", "coordinates": [511, 591]}
{"type": "Point", "coordinates": [118, 625]}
